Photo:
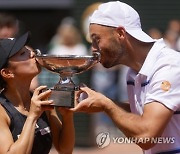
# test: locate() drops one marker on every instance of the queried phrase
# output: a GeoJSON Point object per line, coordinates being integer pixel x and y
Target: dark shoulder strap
{"type": "Point", "coordinates": [7, 107]}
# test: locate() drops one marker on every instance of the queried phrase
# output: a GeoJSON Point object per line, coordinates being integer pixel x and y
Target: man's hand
{"type": "Point", "coordinates": [95, 102]}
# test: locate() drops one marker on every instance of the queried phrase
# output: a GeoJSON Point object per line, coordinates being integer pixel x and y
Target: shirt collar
{"type": "Point", "coordinates": [152, 57]}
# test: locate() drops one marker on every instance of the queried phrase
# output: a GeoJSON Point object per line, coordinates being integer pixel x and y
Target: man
{"type": "Point", "coordinates": [153, 80]}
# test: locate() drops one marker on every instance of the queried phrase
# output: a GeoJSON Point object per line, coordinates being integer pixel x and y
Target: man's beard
{"type": "Point", "coordinates": [114, 58]}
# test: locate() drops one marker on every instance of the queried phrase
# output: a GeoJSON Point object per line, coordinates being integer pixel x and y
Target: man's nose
{"type": "Point", "coordinates": [95, 49]}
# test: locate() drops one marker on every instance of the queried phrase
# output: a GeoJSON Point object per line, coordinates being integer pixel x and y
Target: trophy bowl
{"type": "Point", "coordinates": [63, 93]}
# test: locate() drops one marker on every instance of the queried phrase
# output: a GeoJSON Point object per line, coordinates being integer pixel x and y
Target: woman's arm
{"type": "Point", "coordinates": [62, 132]}
{"type": "Point", "coordinates": [23, 145]}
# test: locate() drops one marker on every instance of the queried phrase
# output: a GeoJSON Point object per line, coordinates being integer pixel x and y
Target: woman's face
{"type": "Point", "coordinates": [23, 64]}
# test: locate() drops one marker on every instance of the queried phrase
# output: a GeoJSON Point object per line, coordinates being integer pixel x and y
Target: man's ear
{"type": "Point", "coordinates": [6, 73]}
{"type": "Point", "coordinates": [121, 31]}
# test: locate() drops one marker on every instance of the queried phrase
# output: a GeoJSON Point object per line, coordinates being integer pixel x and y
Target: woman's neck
{"type": "Point", "coordinates": [19, 95]}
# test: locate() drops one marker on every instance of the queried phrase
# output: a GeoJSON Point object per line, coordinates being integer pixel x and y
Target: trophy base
{"type": "Point", "coordinates": [63, 98]}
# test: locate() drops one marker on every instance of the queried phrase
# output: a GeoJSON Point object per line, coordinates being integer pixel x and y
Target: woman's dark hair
{"type": "Point", "coordinates": [2, 82]}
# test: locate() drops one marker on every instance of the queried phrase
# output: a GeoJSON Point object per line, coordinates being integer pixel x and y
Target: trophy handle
{"type": "Point", "coordinates": [96, 56]}
{"type": "Point", "coordinates": [37, 52]}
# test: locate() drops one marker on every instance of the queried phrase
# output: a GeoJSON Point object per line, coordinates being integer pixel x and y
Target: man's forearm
{"type": "Point", "coordinates": [124, 105]}
{"type": "Point", "coordinates": [125, 121]}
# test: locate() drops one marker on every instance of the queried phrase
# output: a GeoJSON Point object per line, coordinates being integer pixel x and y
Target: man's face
{"type": "Point", "coordinates": [105, 40]}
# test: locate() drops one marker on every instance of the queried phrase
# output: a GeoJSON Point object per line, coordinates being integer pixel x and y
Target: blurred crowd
{"type": "Point", "coordinates": [68, 39]}
{"type": "Point", "coordinates": [171, 34]}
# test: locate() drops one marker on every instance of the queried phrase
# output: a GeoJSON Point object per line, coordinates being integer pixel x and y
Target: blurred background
{"type": "Point", "coordinates": [61, 27]}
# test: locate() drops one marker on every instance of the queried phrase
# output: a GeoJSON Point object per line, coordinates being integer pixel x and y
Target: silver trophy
{"type": "Point", "coordinates": [63, 93]}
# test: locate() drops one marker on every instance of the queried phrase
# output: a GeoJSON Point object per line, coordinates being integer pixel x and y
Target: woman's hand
{"type": "Point", "coordinates": [40, 102]}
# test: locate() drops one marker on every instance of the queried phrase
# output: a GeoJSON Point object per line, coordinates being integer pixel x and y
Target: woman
{"type": "Point", "coordinates": [28, 124]}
